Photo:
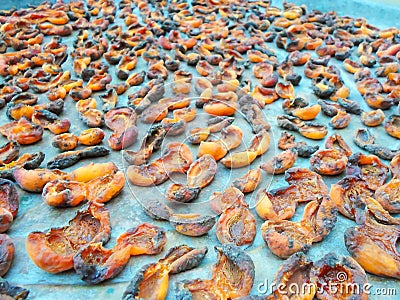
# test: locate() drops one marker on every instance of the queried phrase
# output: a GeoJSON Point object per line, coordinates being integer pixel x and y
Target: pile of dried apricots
{"type": "Point", "coordinates": [134, 61]}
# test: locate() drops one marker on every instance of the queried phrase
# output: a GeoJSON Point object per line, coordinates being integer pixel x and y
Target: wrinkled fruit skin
{"type": "Point", "coordinates": [53, 251]}
{"type": "Point", "coordinates": [232, 277]}
{"type": "Point", "coordinates": [151, 281]}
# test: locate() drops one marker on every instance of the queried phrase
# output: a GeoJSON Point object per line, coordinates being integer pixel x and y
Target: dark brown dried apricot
{"type": "Point", "coordinates": [151, 142]}
{"type": "Point", "coordinates": [69, 158]}
{"type": "Point", "coordinates": [50, 121]}
{"type": "Point", "coordinates": [341, 120]}
{"type": "Point", "coordinates": [54, 251]}
{"type": "Point", "coordinates": [307, 129]}
{"type": "Point", "coordinates": [287, 141]}
{"type": "Point", "coordinates": [365, 140]}
{"type": "Point", "coordinates": [9, 291]}
{"type": "Point", "coordinates": [216, 124]}
{"type": "Point", "coordinates": [192, 224]}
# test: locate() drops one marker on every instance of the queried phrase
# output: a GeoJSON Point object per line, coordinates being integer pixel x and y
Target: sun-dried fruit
{"type": "Point", "coordinates": [337, 142]}
{"type": "Point", "coordinates": [365, 140]}
{"type": "Point", "coordinates": [216, 124]}
{"type": "Point", "coordinates": [122, 121]}
{"type": "Point", "coordinates": [281, 162]}
{"type": "Point", "coordinates": [298, 107]}
{"type": "Point", "coordinates": [177, 157]}
{"type": "Point", "coordinates": [151, 142]}
{"type": "Point", "coordinates": [249, 181]}
{"type": "Point", "coordinates": [192, 224]}
{"type": "Point", "coordinates": [9, 204]}
{"type": "Point", "coordinates": [231, 138]}
{"type": "Point", "coordinates": [392, 126]}
{"type": "Point", "coordinates": [347, 193]}
{"type": "Point", "coordinates": [287, 141]}
{"type": "Point", "coordinates": [258, 146]}
{"type": "Point", "coordinates": [285, 238]}
{"type": "Point", "coordinates": [53, 251]}
{"type": "Point", "coordinates": [277, 204]}
{"type": "Point", "coordinates": [232, 196]}
{"type": "Point", "coordinates": [249, 107]}
{"type": "Point", "coordinates": [328, 162]}
{"type": "Point", "coordinates": [307, 129]}
{"type": "Point", "coordinates": [34, 180]}
{"type": "Point", "coordinates": [236, 225]}
{"type": "Point", "coordinates": [232, 277]}
{"type": "Point", "coordinates": [9, 152]}
{"type": "Point", "coordinates": [50, 121]}
{"type": "Point", "coordinates": [69, 158]}
{"type": "Point", "coordinates": [91, 136]}
{"type": "Point", "coordinates": [64, 193]}
{"type": "Point", "coordinates": [65, 141]}
{"type": "Point", "coordinates": [395, 166]}
{"type": "Point", "coordinates": [151, 281]}
{"type": "Point", "coordinates": [295, 271]}
{"type": "Point", "coordinates": [341, 120]}
{"type": "Point", "coordinates": [199, 175]}
{"type": "Point", "coordinates": [342, 272]}
{"type": "Point", "coordinates": [91, 171]}
{"type": "Point", "coordinates": [94, 264]}
{"type": "Point", "coordinates": [372, 244]}
{"type": "Point", "coordinates": [387, 195]}
{"type": "Point", "coordinates": [311, 184]}
{"type": "Point", "coordinates": [373, 118]}
{"type": "Point", "coordinates": [369, 168]}
{"type": "Point", "coordinates": [6, 252]}
{"type": "Point", "coordinates": [9, 291]}
{"type": "Point", "coordinates": [22, 131]}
